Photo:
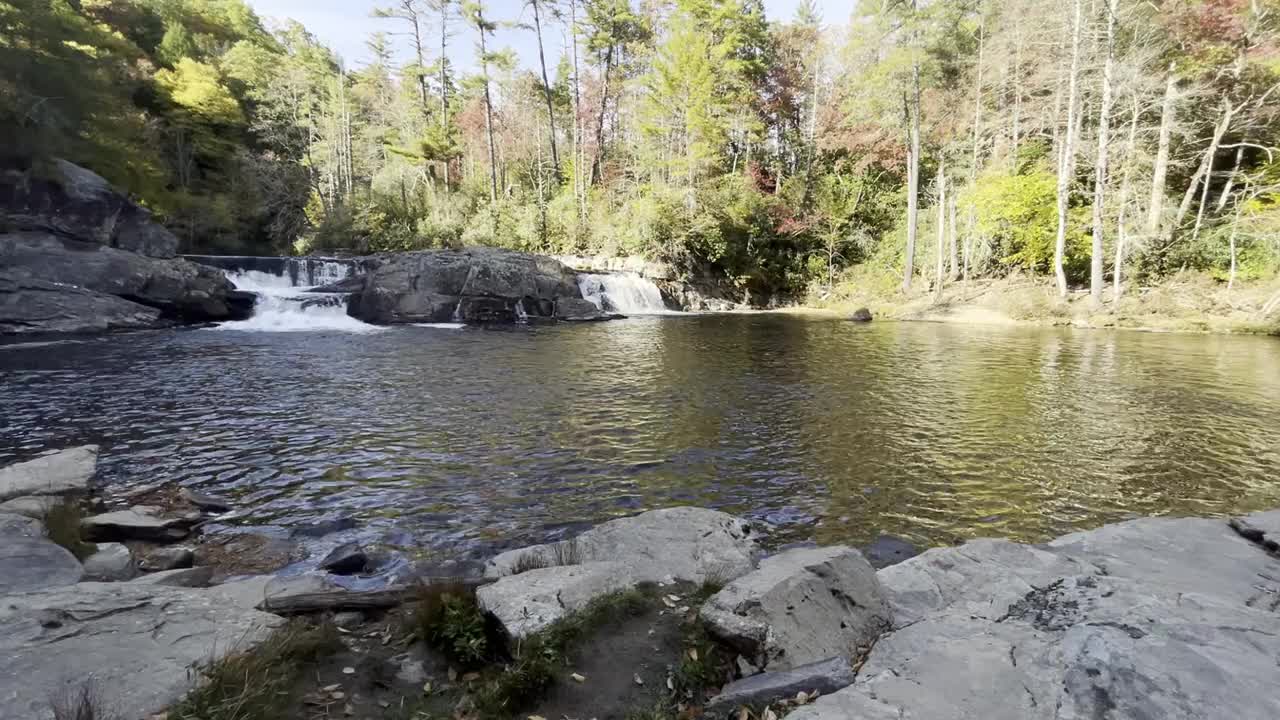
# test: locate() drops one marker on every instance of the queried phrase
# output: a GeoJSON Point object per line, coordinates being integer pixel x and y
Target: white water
{"type": "Point", "coordinates": [626, 293]}
{"type": "Point", "coordinates": [285, 307]}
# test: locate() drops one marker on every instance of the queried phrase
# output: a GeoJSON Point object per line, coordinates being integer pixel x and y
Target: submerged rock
{"type": "Point", "coordinates": [1160, 618]}
{"type": "Point", "coordinates": [821, 678]}
{"type": "Point", "coordinates": [801, 606]}
{"type": "Point", "coordinates": [58, 473]}
{"type": "Point", "coordinates": [208, 503]}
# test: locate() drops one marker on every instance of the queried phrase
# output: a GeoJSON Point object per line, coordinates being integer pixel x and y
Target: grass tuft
{"type": "Point", "coordinates": [62, 524]}
{"type": "Point", "coordinates": [255, 684]}
{"type": "Point", "coordinates": [447, 617]}
{"type": "Point", "coordinates": [81, 702]}
{"type": "Point", "coordinates": [565, 552]}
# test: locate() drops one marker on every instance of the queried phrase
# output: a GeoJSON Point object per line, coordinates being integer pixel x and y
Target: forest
{"type": "Point", "coordinates": [1097, 144]}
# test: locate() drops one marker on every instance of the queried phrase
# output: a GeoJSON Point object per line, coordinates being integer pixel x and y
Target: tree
{"type": "Point", "coordinates": [546, 87]}
{"type": "Point", "coordinates": [1067, 153]}
{"type": "Point", "coordinates": [473, 11]}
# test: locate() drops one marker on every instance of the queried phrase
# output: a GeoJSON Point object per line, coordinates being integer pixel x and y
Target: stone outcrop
{"type": "Point", "coordinates": [820, 678]}
{"type": "Point", "coordinates": [57, 473]}
{"type": "Point", "coordinates": [533, 600]}
{"type": "Point", "coordinates": [111, 563]}
{"type": "Point", "coordinates": [30, 562]}
{"type": "Point", "coordinates": [1159, 618]}
{"type": "Point", "coordinates": [78, 256]}
{"type": "Point", "coordinates": [136, 523]}
{"type": "Point", "coordinates": [800, 607]}
{"type": "Point", "coordinates": [472, 285]}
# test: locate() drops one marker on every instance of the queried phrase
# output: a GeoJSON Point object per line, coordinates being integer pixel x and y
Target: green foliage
{"type": "Point", "coordinates": [448, 618]}
{"type": "Point", "coordinates": [62, 526]}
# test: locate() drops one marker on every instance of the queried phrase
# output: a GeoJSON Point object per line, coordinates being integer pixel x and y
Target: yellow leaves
{"type": "Point", "coordinates": [198, 88]}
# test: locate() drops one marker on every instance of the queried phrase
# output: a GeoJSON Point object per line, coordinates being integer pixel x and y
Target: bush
{"type": "Point", "coordinates": [62, 526]}
{"type": "Point", "coordinates": [448, 618]}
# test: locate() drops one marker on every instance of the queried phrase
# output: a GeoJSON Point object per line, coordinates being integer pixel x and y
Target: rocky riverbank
{"type": "Point", "coordinates": [670, 613]}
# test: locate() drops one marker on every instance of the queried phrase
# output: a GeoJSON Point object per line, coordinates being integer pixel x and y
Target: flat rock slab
{"type": "Point", "coordinates": [683, 543]}
{"type": "Point", "coordinates": [32, 506]}
{"type": "Point", "coordinates": [194, 577]}
{"type": "Point", "coordinates": [65, 471]}
{"type": "Point", "coordinates": [33, 563]}
{"type": "Point", "coordinates": [534, 600]}
{"type": "Point", "coordinates": [1153, 618]}
{"type": "Point", "coordinates": [801, 606]}
{"type": "Point", "coordinates": [133, 524]}
{"type": "Point", "coordinates": [135, 641]}
{"type": "Point", "coordinates": [823, 678]}
{"type": "Point", "coordinates": [15, 525]}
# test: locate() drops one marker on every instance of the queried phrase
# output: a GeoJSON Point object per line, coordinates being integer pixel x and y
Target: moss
{"type": "Point", "coordinates": [62, 524]}
{"type": "Point", "coordinates": [255, 684]}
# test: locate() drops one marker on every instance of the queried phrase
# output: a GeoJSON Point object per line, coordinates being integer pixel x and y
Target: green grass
{"type": "Point", "coordinates": [255, 684]}
{"type": "Point", "coordinates": [62, 524]}
{"type": "Point", "coordinates": [447, 617]}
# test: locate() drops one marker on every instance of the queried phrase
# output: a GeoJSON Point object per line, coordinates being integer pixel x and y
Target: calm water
{"type": "Point", "coordinates": [473, 438]}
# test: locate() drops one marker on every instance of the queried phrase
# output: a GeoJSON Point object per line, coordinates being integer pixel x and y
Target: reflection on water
{"type": "Point", "coordinates": [829, 429]}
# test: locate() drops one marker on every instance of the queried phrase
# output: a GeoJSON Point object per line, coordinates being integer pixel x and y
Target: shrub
{"type": "Point", "coordinates": [62, 525]}
{"type": "Point", "coordinates": [448, 618]}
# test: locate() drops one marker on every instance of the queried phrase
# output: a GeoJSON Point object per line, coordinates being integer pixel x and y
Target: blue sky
{"type": "Point", "coordinates": [344, 25]}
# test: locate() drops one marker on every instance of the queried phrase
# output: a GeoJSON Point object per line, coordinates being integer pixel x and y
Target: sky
{"type": "Point", "coordinates": [344, 25]}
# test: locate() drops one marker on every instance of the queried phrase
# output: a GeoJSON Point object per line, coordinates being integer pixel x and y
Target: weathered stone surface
{"type": "Point", "coordinates": [681, 543]}
{"type": "Point", "coordinates": [888, 550]}
{"type": "Point", "coordinates": [111, 563]}
{"type": "Point", "coordinates": [823, 677]}
{"type": "Point", "coordinates": [533, 600]}
{"type": "Point", "coordinates": [136, 641]}
{"type": "Point", "coordinates": [136, 523]}
{"type": "Point", "coordinates": [15, 525]}
{"type": "Point", "coordinates": [31, 305]}
{"type": "Point", "coordinates": [192, 577]}
{"type": "Point", "coordinates": [474, 285]}
{"type": "Point", "coordinates": [58, 473]}
{"type": "Point", "coordinates": [33, 563]}
{"type": "Point", "coordinates": [1153, 618]}
{"type": "Point", "coordinates": [801, 606]}
{"type": "Point", "coordinates": [167, 558]}
{"type": "Point", "coordinates": [347, 559]}
{"type": "Point", "coordinates": [72, 201]}
{"type": "Point", "coordinates": [32, 506]}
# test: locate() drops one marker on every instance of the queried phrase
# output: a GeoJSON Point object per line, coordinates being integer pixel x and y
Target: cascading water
{"type": "Point", "coordinates": [626, 293]}
{"type": "Point", "coordinates": [285, 303]}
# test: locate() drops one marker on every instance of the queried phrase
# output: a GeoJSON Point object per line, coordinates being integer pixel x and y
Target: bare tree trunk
{"type": "Point", "coordinates": [488, 111]}
{"type": "Point", "coordinates": [1100, 165]}
{"type": "Point", "coordinates": [942, 231]}
{"type": "Point", "coordinates": [1205, 167]}
{"type": "Point", "coordinates": [1066, 165]}
{"type": "Point", "coordinates": [578, 155]}
{"type": "Point", "coordinates": [1231, 179]}
{"type": "Point", "coordinates": [1017, 97]}
{"type": "Point", "coordinates": [1161, 169]}
{"type": "Point", "coordinates": [444, 79]}
{"type": "Point", "coordinates": [1122, 232]}
{"type": "Point", "coordinates": [954, 271]}
{"type": "Point", "coordinates": [977, 96]}
{"type": "Point", "coordinates": [1231, 241]}
{"type": "Point", "coordinates": [411, 13]}
{"type": "Point", "coordinates": [913, 176]}
{"type": "Point", "coordinates": [546, 90]}
{"type": "Point", "coordinates": [598, 152]}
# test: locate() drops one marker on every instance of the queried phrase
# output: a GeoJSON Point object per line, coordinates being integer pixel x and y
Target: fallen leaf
{"type": "Point", "coordinates": [674, 598]}
{"type": "Point", "coordinates": [671, 684]}
{"type": "Point", "coordinates": [331, 688]}
{"type": "Point", "coordinates": [426, 689]}
{"type": "Point", "coordinates": [348, 671]}
{"type": "Point", "coordinates": [693, 654]}
{"type": "Point", "coordinates": [639, 680]}
{"type": "Point", "coordinates": [453, 674]}
{"type": "Point", "coordinates": [384, 704]}
{"type": "Point", "coordinates": [744, 713]}
{"type": "Point", "coordinates": [337, 695]}
{"type": "Point", "coordinates": [348, 710]}
{"type": "Point", "coordinates": [536, 717]}
{"type": "Point", "coordinates": [344, 631]}
{"type": "Point", "coordinates": [769, 714]}
{"type": "Point", "coordinates": [578, 678]}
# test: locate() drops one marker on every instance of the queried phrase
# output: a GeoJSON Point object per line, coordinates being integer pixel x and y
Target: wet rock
{"type": "Point", "coordinates": [861, 315]}
{"type": "Point", "coordinates": [32, 305]}
{"type": "Point", "coordinates": [801, 606]}
{"type": "Point", "coordinates": [208, 503]}
{"type": "Point", "coordinates": [59, 473]}
{"type": "Point", "coordinates": [191, 577]}
{"type": "Point", "coordinates": [1167, 618]}
{"type": "Point", "coordinates": [167, 558]}
{"type": "Point", "coordinates": [246, 554]}
{"type": "Point", "coordinates": [33, 563]}
{"type": "Point", "coordinates": [888, 550]}
{"type": "Point", "coordinates": [137, 641]}
{"type": "Point", "coordinates": [682, 543]}
{"type": "Point", "coordinates": [578, 310]}
{"type": "Point", "coordinates": [533, 600]}
{"type": "Point", "coordinates": [111, 563]}
{"type": "Point", "coordinates": [136, 523]}
{"type": "Point", "coordinates": [823, 677]}
{"type": "Point", "coordinates": [347, 559]}
{"type": "Point", "coordinates": [32, 506]}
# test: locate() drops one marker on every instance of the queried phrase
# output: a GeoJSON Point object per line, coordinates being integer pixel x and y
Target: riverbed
{"type": "Point", "coordinates": [468, 439]}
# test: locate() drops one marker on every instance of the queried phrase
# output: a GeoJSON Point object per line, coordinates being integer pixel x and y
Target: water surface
{"type": "Point", "coordinates": [475, 438]}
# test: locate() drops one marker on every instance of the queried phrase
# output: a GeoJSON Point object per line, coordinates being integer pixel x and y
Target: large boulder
{"type": "Point", "coordinates": [65, 199]}
{"type": "Point", "coordinates": [30, 305]}
{"type": "Point", "coordinates": [57, 473]}
{"type": "Point", "coordinates": [1159, 618]}
{"type": "Point", "coordinates": [475, 285]}
{"type": "Point", "coordinates": [801, 606]}
{"type": "Point", "coordinates": [534, 600]}
{"type": "Point", "coordinates": [136, 642]}
{"type": "Point", "coordinates": [179, 289]}
{"type": "Point", "coordinates": [30, 562]}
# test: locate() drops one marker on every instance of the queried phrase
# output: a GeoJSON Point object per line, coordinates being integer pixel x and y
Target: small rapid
{"type": "Point", "coordinates": [286, 303]}
{"type": "Point", "coordinates": [626, 293]}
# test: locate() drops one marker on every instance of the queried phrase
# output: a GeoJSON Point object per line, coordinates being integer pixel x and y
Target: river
{"type": "Point", "coordinates": [481, 437]}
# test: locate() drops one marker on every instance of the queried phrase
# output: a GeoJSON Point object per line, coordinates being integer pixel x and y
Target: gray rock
{"type": "Point", "coordinates": [111, 563]}
{"type": "Point", "coordinates": [1152, 618]}
{"type": "Point", "coordinates": [823, 677]}
{"type": "Point", "coordinates": [209, 503]}
{"type": "Point", "coordinates": [15, 525]}
{"type": "Point", "coordinates": [801, 606]}
{"type": "Point", "coordinates": [32, 506]}
{"type": "Point", "coordinates": [31, 305]}
{"type": "Point", "coordinates": [472, 285]}
{"type": "Point", "coordinates": [861, 315]}
{"type": "Point", "coordinates": [59, 473]}
{"type": "Point", "coordinates": [133, 524]}
{"type": "Point", "coordinates": [347, 559]}
{"type": "Point", "coordinates": [348, 619]}
{"type": "Point", "coordinates": [192, 577]}
{"type": "Point", "coordinates": [681, 543]}
{"type": "Point", "coordinates": [579, 310]}
{"type": "Point", "coordinates": [533, 600]}
{"type": "Point", "coordinates": [137, 643]}
{"type": "Point", "coordinates": [33, 563]}
{"type": "Point", "coordinates": [167, 558]}
{"type": "Point", "coordinates": [72, 201]}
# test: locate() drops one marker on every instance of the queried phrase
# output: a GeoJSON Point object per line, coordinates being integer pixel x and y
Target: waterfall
{"type": "Point", "coordinates": [626, 293]}
{"type": "Point", "coordinates": [285, 303]}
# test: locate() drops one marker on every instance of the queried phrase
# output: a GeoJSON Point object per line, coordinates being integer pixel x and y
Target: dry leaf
{"type": "Point", "coordinates": [426, 689]}
{"type": "Point", "coordinates": [639, 680]}
{"type": "Point", "coordinates": [769, 714]}
{"type": "Point", "coordinates": [674, 598]}
{"type": "Point", "coordinates": [453, 674]}
{"type": "Point", "coordinates": [693, 654]}
{"type": "Point", "coordinates": [331, 688]}
{"type": "Point", "coordinates": [348, 671]}
{"type": "Point", "coordinates": [671, 684]}
{"type": "Point", "coordinates": [578, 678]}
{"type": "Point", "coordinates": [536, 717]}
{"type": "Point", "coordinates": [744, 713]}
{"type": "Point", "coordinates": [668, 602]}
{"type": "Point", "coordinates": [337, 695]}
{"type": "Point", "coordinates": [470, 677]}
